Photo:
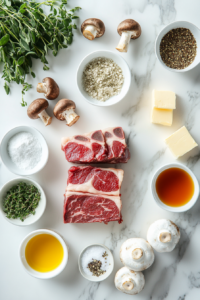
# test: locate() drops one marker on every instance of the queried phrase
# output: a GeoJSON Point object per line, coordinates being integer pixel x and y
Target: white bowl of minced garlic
{"type": "Point", "coordinates": [103, 78]}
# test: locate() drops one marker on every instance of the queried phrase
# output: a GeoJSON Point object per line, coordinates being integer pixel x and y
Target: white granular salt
{"type": "Point", "coordinates": [102, 78]}
{"type": "Point", "coordinates": [94, 252]}
{"type": "Point", "coordinates": [25, 150]}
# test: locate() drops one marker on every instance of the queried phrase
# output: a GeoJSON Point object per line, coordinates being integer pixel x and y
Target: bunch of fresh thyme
{"type": "Point", "coordinates": [26, 32]}
{"type": "Point", "coordinates": [21, 200]}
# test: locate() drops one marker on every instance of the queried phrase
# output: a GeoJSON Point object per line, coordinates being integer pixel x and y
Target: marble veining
{"type": "Point", "coordinates": [173, 276]}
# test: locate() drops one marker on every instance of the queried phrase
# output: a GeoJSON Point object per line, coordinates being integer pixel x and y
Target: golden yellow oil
{"type": "Point", "coordinates": [44, 253]}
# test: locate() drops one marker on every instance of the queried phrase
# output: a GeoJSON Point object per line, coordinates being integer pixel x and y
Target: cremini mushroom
{"type": "Point", "coordinates": [65, 110]}
{"type": "Point", "coordinates": [129, 282]}
{"type": "Point", "coordinates": [37, 110]}
{"type": "Point", "coordinates": [163, 235]}
{"type": "Point", "coordinates": [49, 87]}
{"type": "Point", "coordinates": [128, 29]}
{"type": "Point", "coordinates": [92, 28]}
{"type": "Point", "coordinates": [136, 254]}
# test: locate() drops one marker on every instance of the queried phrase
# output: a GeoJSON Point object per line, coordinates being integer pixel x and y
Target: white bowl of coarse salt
{"type": "Point", "coordinates": [97, 258]}
{"type": "Point", "coordinates": [103, 78]}
{"type": "Point", "coordinates": [24, 151]}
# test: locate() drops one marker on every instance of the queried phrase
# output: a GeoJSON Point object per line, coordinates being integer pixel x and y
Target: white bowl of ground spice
{"type": "Point", "coordinates": [96, 262]}
{"type": "Point", "coordinates": [177, 46]}
{"type": "Point", "coordinates": [103, 78]}
{"type": "Point", "coordinates": [24, 151]}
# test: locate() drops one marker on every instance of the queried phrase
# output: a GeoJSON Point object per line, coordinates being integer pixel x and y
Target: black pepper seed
{"type": "Point", "coordinates": [178, 48]}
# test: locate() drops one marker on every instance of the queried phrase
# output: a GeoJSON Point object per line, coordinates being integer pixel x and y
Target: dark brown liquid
{"type": "Point", "coordinates": [174, 187]}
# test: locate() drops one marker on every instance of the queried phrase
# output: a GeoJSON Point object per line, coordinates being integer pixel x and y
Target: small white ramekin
{"type": "Point", "coordinates": [188, 205]}
{"type": "Point", "coordinates": [105, 275]}
{"type": "Point", "coordinates": [195, 31]}
{"type": "Point", "coordinates": [117, 58]}
{"type": "Point", "coordinates": [6, 158]}
{"type": "Point", "coordinates": [39, 209]}
{"type": "Point", "coordinates": [34, 273]}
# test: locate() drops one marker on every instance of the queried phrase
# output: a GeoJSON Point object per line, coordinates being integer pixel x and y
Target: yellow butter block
{"type": "Point", "coordinates": [180, 142]}
{"type": "Point", "coordinates": [164, 99]}
{"type": "Point", "coordinates": [162, 116]}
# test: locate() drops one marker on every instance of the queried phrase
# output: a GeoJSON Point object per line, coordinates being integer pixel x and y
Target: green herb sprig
{"type": "Point", "coordinates": [21, 200]}
{"type": "Point", "coordinates": [26, 32]}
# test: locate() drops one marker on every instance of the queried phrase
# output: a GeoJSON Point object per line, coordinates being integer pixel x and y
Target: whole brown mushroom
{"type": "Point", "coordinates": [92, 28]}
{"type": "Point", "coordinates": [49, 87]}
{"type": "Point", "coordinates": [65, 110]}
{"type": "Point", "coordinates": [37, 110]}
{"type": "Point", "coordinates": [128, 29]}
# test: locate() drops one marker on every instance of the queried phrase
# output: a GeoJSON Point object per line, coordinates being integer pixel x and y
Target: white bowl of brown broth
{"type": "Point", "coordinates": [43, 254]}
{"type": "Point", "coordinates": [175, 187]}
{"type": "Point", "coordinates": [179, 24]}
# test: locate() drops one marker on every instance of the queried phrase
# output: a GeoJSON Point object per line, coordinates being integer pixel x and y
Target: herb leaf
{"type": "Point", "coordinates": [21, 200]}
{"type": "Point", "coordinates": [27, 32]}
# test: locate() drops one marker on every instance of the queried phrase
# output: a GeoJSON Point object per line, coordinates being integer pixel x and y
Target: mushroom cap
{"type": "Point", "coordinates": [163, 226]}
{"type": "Point", "coordinates": [134, 281]}
{"type": "Point", "coordinates": [130, 25]}
{"type": "Point", "coordinates": [61, 106]}
{"type": "Point", "coordinates": [97, 23]}
{"type": "Point", "coordinates": [142, 252]}
{"type": "Point", "coordinates": [36, 107]}
{"type": "Point", "coordinates": [52, 88]}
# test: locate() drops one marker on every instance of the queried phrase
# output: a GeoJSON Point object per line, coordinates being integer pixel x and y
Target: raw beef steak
{"type": "Point", "coordinates": [93, 180]}
{"type": "Point", "coordinates": [89, 147]}
{"type": "Point", "coordinates": [108, 146]}
{"type": "Point", "coordinates": [89, 208]}
{"type": "Point", "coordinates": [117, 150]}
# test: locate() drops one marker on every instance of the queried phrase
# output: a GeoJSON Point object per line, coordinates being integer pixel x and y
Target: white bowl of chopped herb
{"type": "Point", "coordinates": [177, 46]}
{"type": "Point", "coordinates": [103, 78]}
{"type": "Point", "coordinates": [22, 201]}
{"type": "Point", "coordinates": [96, 262]}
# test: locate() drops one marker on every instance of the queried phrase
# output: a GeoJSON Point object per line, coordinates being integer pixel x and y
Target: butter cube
{"type": "Point", "coordinates": [164, 99]}
{"type": "Point", "coordinates": [162, 116]}
{"type": "Point", "coordinates": [180, 142]}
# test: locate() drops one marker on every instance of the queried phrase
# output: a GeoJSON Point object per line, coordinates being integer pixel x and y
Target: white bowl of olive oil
{"type": "Point", "coordinates": [43, 253]}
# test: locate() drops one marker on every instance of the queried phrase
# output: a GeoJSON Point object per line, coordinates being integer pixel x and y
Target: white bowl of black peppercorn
{"type": "Point", "coordinates": [187, 45]}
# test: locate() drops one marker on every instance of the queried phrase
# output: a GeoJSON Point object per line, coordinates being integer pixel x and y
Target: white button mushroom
{"type": "Point", "coordinates": [65, 110]}
{"type": "Point", "coordinates": [92, 28]}
{"type": "Point", "coordinates": [128, 29]}
{"type": "Point", "coordinates": [37, 110]}
{"type": "Point", "coordinates": [163, 235]}
{"type": "Point", "coordinates": [49, 87]}
{"type": "Point", "coordinates": [129, 282]}
{"type": "Point", "coordinates": [136, 254]}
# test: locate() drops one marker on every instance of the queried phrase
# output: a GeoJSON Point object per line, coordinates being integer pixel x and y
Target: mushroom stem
{"type": "Point", "coordinates": [42, 88]}
{"type": "Point", "coordinates": [70, 116]}
{"type": "Point", "coordinates": [46, 119]}
{"type": "Point", "coordinates": [124, 40]}
{"type": "Point", "coordinates": [90, 32]}
{"type": "Point", "coordinates": [165, 237]}
{"type": "Point", "coordinates": [128, 285]}
{"type": "Point", "coordinates": [137, 253]}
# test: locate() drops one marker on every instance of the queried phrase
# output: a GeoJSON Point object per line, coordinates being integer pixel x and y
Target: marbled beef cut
{"type": "Point", "coordinates": [95, 180]}
{"type": "Point", "coordinates": [89, 147]}
{"type": "Point", "coordinates": [90, 208]}
{"type": "Point", "coordinates": [108, 146]}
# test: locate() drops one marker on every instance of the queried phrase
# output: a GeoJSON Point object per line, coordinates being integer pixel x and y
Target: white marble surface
{"type": "Point", "coordinates": [174, 276]}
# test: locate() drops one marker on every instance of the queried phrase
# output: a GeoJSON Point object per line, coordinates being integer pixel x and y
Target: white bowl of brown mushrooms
{"type": "Point", "coordinates": [177, 46]}
{"type": "Point", "coordinates": [103, 78]}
